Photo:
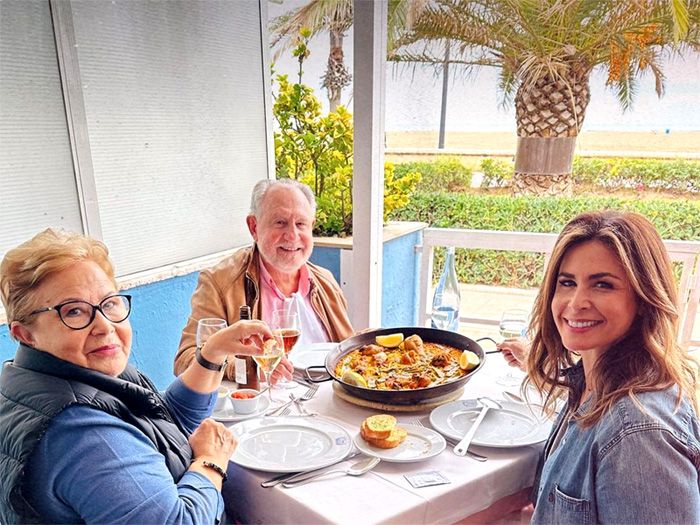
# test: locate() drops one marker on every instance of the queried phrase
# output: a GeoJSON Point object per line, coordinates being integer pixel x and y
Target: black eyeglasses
{"type": "Point", "coordinates": [77, 315]}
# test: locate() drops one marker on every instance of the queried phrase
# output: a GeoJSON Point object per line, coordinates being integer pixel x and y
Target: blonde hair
{"type": "Point", "coordinates": [648, 357]}
{"type": "Point", "coordinates": [25, 267]}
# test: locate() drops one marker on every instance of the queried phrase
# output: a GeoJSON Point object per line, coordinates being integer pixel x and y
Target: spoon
{"type": "Point", "coordinates": [486, 403]}
{"type": "Point", "coordinates": [356, 469]}
{"type": "Point", "coordinates": [263, 391]}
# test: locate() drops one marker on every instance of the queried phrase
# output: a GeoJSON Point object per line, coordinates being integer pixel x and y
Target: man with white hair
{"type": "Point", "coordinates": [272, 273]}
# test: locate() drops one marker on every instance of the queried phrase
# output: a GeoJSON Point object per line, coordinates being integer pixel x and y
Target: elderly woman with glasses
{"type": "Point", "coordinates": [84, 436]}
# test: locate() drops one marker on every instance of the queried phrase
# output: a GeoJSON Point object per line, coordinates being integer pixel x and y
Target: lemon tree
{"type": "Point", "coordinates": [389, 340]}
{"type": "Point", "coordinates": [468, 360]}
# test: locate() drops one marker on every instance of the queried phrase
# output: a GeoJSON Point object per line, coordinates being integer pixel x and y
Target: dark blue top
{"type": "Point", "coordinates": [95, 468]}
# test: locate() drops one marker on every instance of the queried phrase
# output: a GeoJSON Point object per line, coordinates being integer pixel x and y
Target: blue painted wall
{"type": "Point", "coordinates": [160, 310]}
{"type": "Point", "coordinates": [328, 258]}
{"type": "Point", "coordinates": [400, 281]}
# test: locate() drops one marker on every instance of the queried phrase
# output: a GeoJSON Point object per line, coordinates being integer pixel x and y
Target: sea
{"type": "Point", "coordinates": [474, 103]}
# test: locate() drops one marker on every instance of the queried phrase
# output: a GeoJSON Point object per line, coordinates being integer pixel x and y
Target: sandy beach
{"type": "Point", "coordinates": [676, 144]}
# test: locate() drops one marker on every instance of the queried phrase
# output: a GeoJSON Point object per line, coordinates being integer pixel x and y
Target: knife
{"type": "Point", "coordinates": [291, 476]}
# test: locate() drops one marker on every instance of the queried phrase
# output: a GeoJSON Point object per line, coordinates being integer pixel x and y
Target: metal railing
{"type": "Point", "coordinates": [687, 253]}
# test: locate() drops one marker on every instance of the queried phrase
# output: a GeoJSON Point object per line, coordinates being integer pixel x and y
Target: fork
{"type": "Point", "coordinates": [473, 455]}
{"type": "Point", "coordinates": [311, 392]}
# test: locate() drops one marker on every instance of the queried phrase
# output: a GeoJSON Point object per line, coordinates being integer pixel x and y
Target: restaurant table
{"type": "Point", "coordinates": [487, 489]}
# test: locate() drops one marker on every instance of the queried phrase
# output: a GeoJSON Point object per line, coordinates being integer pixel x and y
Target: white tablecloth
{"type": "Point", "coordinates": [384, 495]}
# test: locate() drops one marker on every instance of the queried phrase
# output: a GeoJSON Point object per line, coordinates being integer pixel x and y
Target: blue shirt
{"type": "Point", "coordinates": [92, 467]}
{"type": "Point", "coordinates": [633, 466]}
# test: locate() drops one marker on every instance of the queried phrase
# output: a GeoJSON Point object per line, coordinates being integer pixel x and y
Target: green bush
{"type": "Point", "coordinates": [609, 174]}
{"type": "Point", "coordinates": [447, 174]}
{"type": "Point", "coordinates": [496, 172]}
{"type": "Point", "coordinates": [656, 174]}
{"type": "Point", "coordinates": [674, 219]}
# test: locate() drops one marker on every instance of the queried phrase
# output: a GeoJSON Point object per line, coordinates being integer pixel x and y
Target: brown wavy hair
{"type": "Point", "coordinates": [26, 266]}
{"type": "Point", "coordinates": [648, 357]}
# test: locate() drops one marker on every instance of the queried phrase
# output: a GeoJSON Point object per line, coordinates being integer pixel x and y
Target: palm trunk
{"type": "Point", "coordinates": [549, 115]}
{"type": "Point", "coordinates": [337, 76]}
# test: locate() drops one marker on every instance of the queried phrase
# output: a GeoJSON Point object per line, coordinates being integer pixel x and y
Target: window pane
{"type": "Point", "coordinates": [37, 182]}
{"type": "Point", "coordinates": [174, 100]}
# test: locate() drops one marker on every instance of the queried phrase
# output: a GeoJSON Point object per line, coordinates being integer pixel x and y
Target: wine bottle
{"type": "Point", "coordinates": [246, 369]}
{"type": "Point", "coordinates": [446, 300]}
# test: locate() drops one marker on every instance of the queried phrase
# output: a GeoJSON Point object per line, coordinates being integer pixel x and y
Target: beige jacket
{"type": "Point", "coordinates": [233, 282]}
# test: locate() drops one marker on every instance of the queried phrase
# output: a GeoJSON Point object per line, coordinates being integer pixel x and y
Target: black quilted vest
{"type": "Point", "coordinates": [36, 386]}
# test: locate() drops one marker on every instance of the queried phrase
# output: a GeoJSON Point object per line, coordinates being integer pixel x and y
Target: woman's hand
{"type": "Point", "coordinates": [212, 442]}
{"type": "Point", "coordinates": [515, 352]}
{"type": "Point", "coordinates": [241, 338]}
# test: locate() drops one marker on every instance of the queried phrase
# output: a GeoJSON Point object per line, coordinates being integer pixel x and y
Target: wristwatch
{"type": "Point", "coordinates": [208, 364]}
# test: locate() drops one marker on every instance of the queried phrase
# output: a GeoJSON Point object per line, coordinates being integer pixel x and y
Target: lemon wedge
{"type": "Point", "coordinates": [468, 360]}
{"type": "Point", "coordinates": [389, 340]}
{"type": "Point", "coordinates": [353, 378]}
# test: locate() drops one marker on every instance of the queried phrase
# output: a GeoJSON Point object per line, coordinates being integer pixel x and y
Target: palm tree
{"type": "Point", "coordinates": [546, 50]}
{"type": "Point", "coordinates": [336, 16]}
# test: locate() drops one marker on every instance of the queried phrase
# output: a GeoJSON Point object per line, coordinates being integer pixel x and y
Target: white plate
{"type": "Point", "coordinates": [228, 415]}
{"type": "Point", "coordinates": [304, 356]}
{"type": "Point", "coordinates": [421, 443]}
{"type": "Point", "coordinates": [515, 425]}
{"type": "Point", "coordinates": [289, 444]}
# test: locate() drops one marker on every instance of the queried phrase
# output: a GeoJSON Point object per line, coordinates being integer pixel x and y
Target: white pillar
{"type": "Point", "coordinates": [368, 178]}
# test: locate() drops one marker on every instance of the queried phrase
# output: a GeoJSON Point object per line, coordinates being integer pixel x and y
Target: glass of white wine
{"type": "Point", "coordinates": [273, 350]}
{"type": "Point", "coordinates": [513, 325]}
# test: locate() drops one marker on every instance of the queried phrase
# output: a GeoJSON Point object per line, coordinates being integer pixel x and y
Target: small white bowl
{"type": "Point", "coordinates": [245, 406]}
{"type": "Point", "coordinates": [223, 400]}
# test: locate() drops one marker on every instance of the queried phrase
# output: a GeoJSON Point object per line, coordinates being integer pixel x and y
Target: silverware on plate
{"type": "Point", "coordinates": [356, 469]}
{"type": "Point", "coordinates": [486, 403]}
{"type": "Point", "coordinates": [289, 476]}
{"type": "Point", "coordinates": [453, 442]}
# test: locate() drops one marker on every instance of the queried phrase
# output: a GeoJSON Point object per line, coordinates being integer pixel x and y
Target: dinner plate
{"type": "Point", "coordinates": [515, 425]}
{"type": "Point", "coordinates": [421, 443]}
{"type": "Point", "coordinates": [229, 415]}
{"type": "Point", "coordinates": [289, 444]}
{"type": "Point", "coordinates": [304, 356]}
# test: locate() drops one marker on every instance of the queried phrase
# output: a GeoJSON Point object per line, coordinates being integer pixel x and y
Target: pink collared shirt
{"type": "Point", "coordinates": [312, 331]}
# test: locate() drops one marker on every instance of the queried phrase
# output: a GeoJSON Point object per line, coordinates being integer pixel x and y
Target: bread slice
{"type": "Point", "coordinates": [378, 426]}
{"type": "Point", "coordinates": [396, 437]}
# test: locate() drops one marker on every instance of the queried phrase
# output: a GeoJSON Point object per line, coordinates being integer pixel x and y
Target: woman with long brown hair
{"type": "Point", "coordinates": [626, 449]}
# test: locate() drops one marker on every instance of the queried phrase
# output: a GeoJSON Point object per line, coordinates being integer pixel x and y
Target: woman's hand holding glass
{"type": "Point", "coordinates": [515, 352]}
{"type": "Point", "coordinates": [513, 328]}
{"type": "Point", "coordinates": [241, 338]}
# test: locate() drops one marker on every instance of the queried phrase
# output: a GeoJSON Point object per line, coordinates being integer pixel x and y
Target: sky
{"type": "Point", "coordinates": [474, 103]}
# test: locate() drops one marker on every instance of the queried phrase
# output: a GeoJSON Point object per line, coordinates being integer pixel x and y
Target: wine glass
{"type": "Point", "coordinates": [207, 327]}
{"type": "Point", "coordinates": [286, 324]}
{"type": "Point", "coordinates": [513, 325]}
{"type": "Point", "coordinates": [273, 350]}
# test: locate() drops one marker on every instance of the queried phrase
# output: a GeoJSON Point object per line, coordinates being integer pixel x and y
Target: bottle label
{"type": "Point", "coordinates": [240, 369]}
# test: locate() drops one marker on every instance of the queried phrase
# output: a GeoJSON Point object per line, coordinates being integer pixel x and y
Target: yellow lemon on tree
{"type": "Point", "coordinates": [353, 378]}
{"type": "Point", "coordinates": [389, 340]}
{"type": "Point", "coordinates": [468, 360]}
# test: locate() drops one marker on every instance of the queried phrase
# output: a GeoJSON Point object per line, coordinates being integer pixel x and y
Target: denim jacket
{"type": "Point", "coordinates": [630, 467]}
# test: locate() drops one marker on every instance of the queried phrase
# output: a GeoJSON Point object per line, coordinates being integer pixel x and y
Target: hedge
{"type": "Point", "coordinates": [607, 173]}
{"type": "Point", "coordinates": [674, 219]}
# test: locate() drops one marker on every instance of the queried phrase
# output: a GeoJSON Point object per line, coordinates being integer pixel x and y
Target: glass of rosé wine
{"type": "Point", "coordinates": [285, 324]}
